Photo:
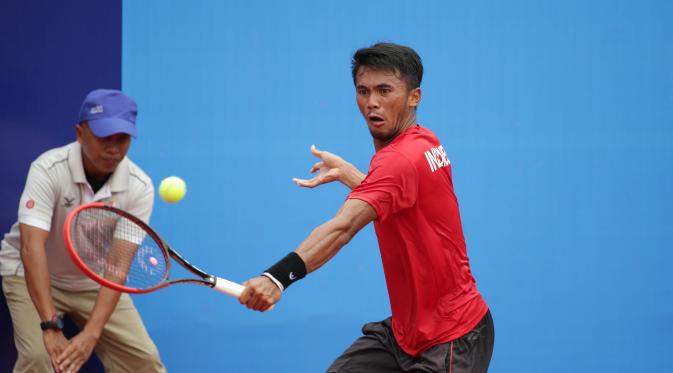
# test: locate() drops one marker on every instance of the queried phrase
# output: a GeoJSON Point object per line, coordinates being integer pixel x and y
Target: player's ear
{"type": "Point", "coordinates": [79, 131]}
{"type": "Point", "coordinates": [414, 97]}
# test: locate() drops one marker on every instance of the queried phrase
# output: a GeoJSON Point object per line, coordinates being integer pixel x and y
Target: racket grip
{"type": "Point", "coordinates": [228, 287]}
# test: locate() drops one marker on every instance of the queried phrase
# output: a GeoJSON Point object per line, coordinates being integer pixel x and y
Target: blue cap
{"type": "Point", "coordinates": [108, 112]}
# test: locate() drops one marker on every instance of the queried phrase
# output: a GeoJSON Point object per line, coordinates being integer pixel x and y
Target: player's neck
{"type": "Point", "coordinates": [96, 181]}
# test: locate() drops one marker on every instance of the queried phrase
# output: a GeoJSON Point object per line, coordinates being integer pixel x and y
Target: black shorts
{"type": "Point", "coordinates": [377, 351]}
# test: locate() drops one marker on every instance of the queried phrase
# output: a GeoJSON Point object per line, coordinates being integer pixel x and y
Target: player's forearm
{"type": "Point", "coordinates": [36, 273]}
{"type": "Point", "coordinates": [323, 243]}
{"type": "Point", "coordinates": [351, 176]}
{"type": "Point", "coordinates": [326, 240]}
{"type": "Point", "coordinates": [106, 301]}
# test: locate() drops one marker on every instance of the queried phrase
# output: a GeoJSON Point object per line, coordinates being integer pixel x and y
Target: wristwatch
{"type": "Point", "coordinates": [56, 322]}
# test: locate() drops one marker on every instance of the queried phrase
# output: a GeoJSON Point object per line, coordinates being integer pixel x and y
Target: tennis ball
{"type": "Point", "coordinates": [172, 189]}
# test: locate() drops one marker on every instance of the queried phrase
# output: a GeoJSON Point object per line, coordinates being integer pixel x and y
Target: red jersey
{"type": "Point", "coordinates": [433, 296]}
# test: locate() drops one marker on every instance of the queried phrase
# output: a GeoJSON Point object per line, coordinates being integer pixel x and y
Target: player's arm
{"type": "Point", "coordinates": [81, 346]}
{"type": "Point", "coordinates": [317, 249]}
{"type": "Point", "coordinates": [36, 270]}
{"type": "Point", "coordinates": [326, 240]}
{"type": "Point", "coordinates": [330, 168]}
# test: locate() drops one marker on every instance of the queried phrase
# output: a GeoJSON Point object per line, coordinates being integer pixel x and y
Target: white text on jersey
{"type": "Point", "coordinates": [437, 158]}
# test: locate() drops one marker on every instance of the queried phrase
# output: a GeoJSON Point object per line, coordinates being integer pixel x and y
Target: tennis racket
{"type": "Point", "coordinates": [121, 252]}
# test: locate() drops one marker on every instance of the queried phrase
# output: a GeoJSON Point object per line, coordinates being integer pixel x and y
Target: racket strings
{"type": "Point", "coordinates": [118, 250]}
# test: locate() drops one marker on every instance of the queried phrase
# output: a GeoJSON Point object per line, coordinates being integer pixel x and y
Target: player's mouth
{"type": "Point", "coordinates": [376, 120]}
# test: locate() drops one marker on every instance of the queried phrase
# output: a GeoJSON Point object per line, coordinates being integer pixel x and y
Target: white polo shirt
{"type": "Point", "coordinates": [55, 186]}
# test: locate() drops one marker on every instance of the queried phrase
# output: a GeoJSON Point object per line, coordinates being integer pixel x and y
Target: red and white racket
{"type": "Point", "coordinates": [121, 252]}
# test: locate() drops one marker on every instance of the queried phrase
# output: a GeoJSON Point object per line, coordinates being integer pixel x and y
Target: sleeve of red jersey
{"type": "Point", "coordinates": [391, 185]}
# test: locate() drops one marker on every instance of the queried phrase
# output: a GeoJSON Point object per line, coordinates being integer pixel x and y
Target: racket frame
{"type": "Point", "coordinates": [205, 278]}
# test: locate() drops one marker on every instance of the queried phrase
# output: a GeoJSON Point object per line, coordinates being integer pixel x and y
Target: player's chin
{"type": "Point", "coordinates": [108, 165]}
{"type": "Point", "coordinates": [380, 134]}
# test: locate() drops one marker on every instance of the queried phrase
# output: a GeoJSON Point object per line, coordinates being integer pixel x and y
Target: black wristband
{"type": "Point", "coordinates": [288, 270]}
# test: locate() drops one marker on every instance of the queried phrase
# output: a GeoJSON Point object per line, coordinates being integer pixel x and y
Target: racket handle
{"type": "Point", "coordinates": [228, 287]}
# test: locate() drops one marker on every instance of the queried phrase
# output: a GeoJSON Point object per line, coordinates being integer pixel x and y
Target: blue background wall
{"type": "Point", "coordinates": [558, 119]}
{"type": "Point", "coordinates": [51, 55]}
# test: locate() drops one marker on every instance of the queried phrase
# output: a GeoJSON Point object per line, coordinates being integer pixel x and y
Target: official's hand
{"type": "Point", "coordinates": [55, 343]}
{"type": "Point", "coordinates": [77, 352]}
{"type": "Point", "coordinates": [330, 169]}
{"type": "Point", "coordinates": [260, 294]}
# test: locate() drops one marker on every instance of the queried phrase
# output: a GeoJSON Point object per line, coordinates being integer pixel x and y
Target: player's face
{"type": "Point", "coordinates": [386, 102]}
{"type": "Point", "coordinates": [101, 155]}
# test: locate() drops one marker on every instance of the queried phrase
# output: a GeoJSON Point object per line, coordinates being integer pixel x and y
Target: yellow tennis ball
{"type": "Point", "coordinates": [172, 189]}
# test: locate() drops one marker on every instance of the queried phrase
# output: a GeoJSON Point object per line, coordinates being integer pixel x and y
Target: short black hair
{"type": "Point", "coordinates": [397, 58]}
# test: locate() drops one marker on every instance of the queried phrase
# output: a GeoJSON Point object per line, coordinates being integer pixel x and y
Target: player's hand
{"type": "Point", "coordinates": [55, 343]}
{"type": "Point", "coordinates": [77, 352]}
{"type": "Point", "coordinates": [330, 169]}
{"type": "Point", "coordinates": [260, 294]}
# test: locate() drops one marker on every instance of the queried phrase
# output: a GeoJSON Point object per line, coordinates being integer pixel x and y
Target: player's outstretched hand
{"type": "Point", "coordinates": [330, 169]}
{"type": "Point", "coordinates": [260, 294]}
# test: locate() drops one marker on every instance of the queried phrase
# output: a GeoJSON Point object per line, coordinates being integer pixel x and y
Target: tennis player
{"type": "Point", "coordinates": [440, 322]}
{"type": "Point", "coordinates": [40, 281]}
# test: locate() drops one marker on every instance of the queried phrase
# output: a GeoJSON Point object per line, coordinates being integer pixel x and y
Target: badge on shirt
{"type": "Point", "coordinates": [68, 201]}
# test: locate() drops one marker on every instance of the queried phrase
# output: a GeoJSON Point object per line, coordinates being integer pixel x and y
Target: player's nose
{"type": "Point", "coordinates": [372, 102]}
